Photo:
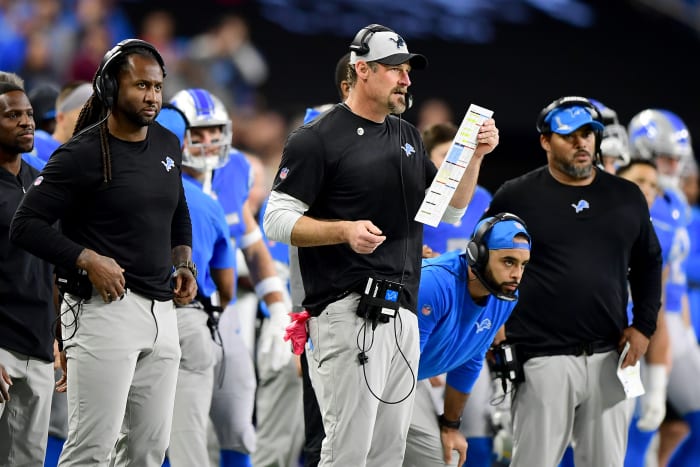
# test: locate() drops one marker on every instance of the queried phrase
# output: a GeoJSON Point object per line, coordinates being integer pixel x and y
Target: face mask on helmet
{"type": "Point", "coordinates": [206, 114]}
{"type": "Point", "coordinates": [607, 115]}
{"type": "Point", "coordinates": [614, 143]}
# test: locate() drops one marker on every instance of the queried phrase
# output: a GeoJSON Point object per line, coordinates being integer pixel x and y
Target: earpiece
{"type": "Point", "coordinates": [105, 82]}
{"type": "Point", "coordinates": [477, 250]}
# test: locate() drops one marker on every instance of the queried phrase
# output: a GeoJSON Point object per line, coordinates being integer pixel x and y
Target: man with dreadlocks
{"type": "Point", "coordinates": [123, 254]}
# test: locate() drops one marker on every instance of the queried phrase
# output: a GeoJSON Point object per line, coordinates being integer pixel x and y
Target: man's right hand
{"type": "Point", "coordinates": [5, 383]}
{"type": "Point", "coordinates": [453, 440]}
{"type": "Point", "coordinates": [105, 274]}
{"type": "Point", "coordinates": [364, 237]}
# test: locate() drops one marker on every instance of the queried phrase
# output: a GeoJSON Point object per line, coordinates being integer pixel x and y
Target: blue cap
{"type": "Point", "coordinates": [566, 120]}
{"type": "Point", "coordinates": [500, 236]}
{"type": "Point", "coordinates": [174, 121]}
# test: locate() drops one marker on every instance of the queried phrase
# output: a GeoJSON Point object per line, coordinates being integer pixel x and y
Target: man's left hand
{"type": "Point", "coordinates": [487, 138]}
{"type": "Point", "coordinates": [638, 345]}
{"type": "Point", "coordinates": [185, 286]}
{"type": "Point", "coordinates": [453, 440]}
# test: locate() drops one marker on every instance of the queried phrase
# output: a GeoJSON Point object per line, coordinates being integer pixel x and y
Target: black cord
{"type": "Point", "coordinates": [74, 308]}
{"type": "Point", "coordinates": [364, 359]}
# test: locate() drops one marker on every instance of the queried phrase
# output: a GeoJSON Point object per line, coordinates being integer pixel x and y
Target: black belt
{"type": "Point", "coordinates": [589, 348]}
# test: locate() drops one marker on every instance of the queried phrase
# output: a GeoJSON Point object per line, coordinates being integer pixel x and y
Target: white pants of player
{"type": "Point", "coordinates": [279, 414]}
{"type": "Point", "coordinates": [567, 398]}
{"type": "Point", "coordinates": [685, 370]}
{"type": "Point", "coordinates": [24, 420]}
{"type": "Point", "coordinates": [361, 430]}
{"type": "Point", "coordinates": [195, 384]}
{"type": "Point", "coordinates": [123, 360]}
{"type": "Point", "coordinates": [233, 400]}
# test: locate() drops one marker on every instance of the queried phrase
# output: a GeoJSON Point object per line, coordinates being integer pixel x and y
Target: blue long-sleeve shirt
{"type": "Point", "coordinates": [455, 332]}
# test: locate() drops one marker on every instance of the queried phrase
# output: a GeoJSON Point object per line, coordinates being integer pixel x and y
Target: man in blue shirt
{"type": "Point", "coordinates": [464, 298]}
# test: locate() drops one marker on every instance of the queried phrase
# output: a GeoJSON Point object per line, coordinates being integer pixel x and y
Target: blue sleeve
{"type": "Point", "coordinates": [223, 256]}
{"type": "Point", "coordinates": [431, 304]}
{"type": "Point", "coordinates": [464, 376]}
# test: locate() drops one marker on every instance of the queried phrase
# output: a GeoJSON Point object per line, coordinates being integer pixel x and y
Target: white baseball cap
{"type": "Point", "coordinates": [388, 48]}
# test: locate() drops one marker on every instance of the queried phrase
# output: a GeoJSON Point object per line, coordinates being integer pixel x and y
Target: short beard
{"type": "Point", "coordinates": [397, 109]}
{"type": "Point", "coordinates": [17, 148]}
{"type": "Point", "coordinates": [577, 173]}
{"type": "Point", "coordinates": [500, 287]}
{"type": "Point", "coordinates": [138, 120]}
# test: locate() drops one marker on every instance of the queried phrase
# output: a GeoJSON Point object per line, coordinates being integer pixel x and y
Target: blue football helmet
{"type": "Point", "coordinates": [203, 109]}
{"type": "Point", "coordinates": [657, 132]}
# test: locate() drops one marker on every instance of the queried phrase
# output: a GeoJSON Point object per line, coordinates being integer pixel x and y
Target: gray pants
{"type": "Point", "coordinates": [424, 445]}
{"type": "Point", "coordinates": [195, 383]}
{"type": "Point", "coordinates": [123, 360]}
{"type": "Point", "coordinates": [24, 420]}
{"type": "Point", "coordinates": [279, 415]}
{"type": "Point", "coordinates": [361, 430]}
{"type": "Point", "coordinates": [567, 398]}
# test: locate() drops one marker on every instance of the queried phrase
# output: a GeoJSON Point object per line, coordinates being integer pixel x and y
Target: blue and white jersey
{"type": "Point", "coordinates": [278, 250]}
{"type": "Point", "coordinates": [33, 160]}
{"type": "Point", "coordinates": [455, 332]}
{"type": "Point", "coordinates": [449, 237]}
{"type": "Point", "coordinates": [670, 216]}
{"type": "Point", "coordinates": [692, 268]}
{"type": "Point", "coordinates": [44, 146]}
{"type": "Point", "coordinates": [231, 184]}
{"type": "Point", "coordinates": [211, 247]}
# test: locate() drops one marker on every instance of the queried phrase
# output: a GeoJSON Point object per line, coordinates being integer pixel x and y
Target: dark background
{"type": "Point", "coordinates": [630, 58]}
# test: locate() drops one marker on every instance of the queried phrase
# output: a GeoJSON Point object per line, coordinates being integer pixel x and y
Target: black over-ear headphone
{"type": "Point", "coordinates": [570, 101]}
{"type": "Point", "coordinates": [477, 250]}
{"type": "Point", "coordinates": [360, 44]}
{"type": "Point", "coordinates": [105, 82]}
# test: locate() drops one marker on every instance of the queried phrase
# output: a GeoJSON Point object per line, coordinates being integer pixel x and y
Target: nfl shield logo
{"type": "Point", "coordinates": [283, 173]}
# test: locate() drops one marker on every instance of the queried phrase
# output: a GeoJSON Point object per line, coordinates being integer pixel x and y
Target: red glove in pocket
{"type": "Point", "coordinates": [296, 331]}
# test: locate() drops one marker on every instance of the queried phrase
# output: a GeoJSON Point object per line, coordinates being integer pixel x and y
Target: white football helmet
{"type": "Point", "coordinates": [615, 142]}
{"type": "Point", "coordinates": [203, 109]}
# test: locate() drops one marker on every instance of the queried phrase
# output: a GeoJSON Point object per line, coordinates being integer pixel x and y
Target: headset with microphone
{"type": "Point", "coordinates": [105, 81]}
{"type": "Point", "coordinates": [360, 44]}
{"type": "Point", "coordinates": [544, 126]}
{"type": "Point", "coordinates": [478, 252]}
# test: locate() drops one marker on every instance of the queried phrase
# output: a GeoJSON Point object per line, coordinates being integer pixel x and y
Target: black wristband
{"type": "Point", "coordinates": [443, 422]}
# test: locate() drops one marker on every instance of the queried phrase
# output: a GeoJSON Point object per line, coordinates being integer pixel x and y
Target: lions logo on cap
{"type": "Point", "coordinates": [399, 41]}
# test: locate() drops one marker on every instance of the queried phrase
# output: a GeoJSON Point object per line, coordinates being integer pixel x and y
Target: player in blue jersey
{"type": "Point", "coordinates": [651, 407]}
{"type": "Point", "coordinates": [213, 253]}
{"type": "Point", "coordinates": [661, 136]}
{"type": "Point", "coordinates": [233, 399]}
{"type": "Point", "coordinates": [463, 298]}
{"type": "Point", "coordinates": [691, 189]}
{"type": "Point", "coordinates": [69, 102]}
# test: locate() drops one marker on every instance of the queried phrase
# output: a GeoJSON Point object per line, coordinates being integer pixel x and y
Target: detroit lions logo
{"type": "Point", "coordinates": [408, 149]}
{"type": "Point", "coordinates": [168, 163]}
{"type": "Point", "coordinates": [581, 205]}
{"type": "Point", "coordinates": [399, 41]}
{"type": "Point", "coordinates": [485, 325]}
